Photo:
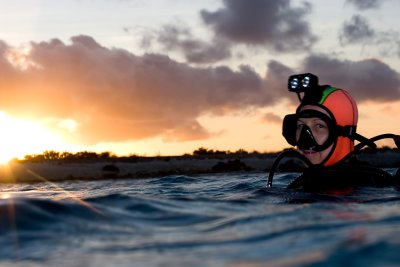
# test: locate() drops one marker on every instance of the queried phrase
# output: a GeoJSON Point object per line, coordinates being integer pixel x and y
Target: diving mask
{"type": "Point", "coordinates": [305, 139]}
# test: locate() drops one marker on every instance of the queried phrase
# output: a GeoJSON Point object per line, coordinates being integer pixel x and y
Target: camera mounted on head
{"type": "Point", "coordinates": [306, 87]}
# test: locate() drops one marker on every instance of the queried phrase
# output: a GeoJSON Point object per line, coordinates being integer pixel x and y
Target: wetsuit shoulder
{"type": "Point", "coordinates": [344, 175]}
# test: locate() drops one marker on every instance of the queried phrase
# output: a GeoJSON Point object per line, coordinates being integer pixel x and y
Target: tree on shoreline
{"type": "Point", "coordinates": [51, 155]}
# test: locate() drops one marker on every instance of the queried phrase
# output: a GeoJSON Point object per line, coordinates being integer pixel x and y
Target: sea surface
{"type": "Point", "coordinates": [204, 220]}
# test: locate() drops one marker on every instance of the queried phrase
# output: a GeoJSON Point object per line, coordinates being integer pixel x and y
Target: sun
{"type": "Point", "coordinates": [21, 137]}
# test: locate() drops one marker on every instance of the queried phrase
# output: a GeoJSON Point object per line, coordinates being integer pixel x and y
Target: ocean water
{"type": "Point", "coordinates": [205, 220]}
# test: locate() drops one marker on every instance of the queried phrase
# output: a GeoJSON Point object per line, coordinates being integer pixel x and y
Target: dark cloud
{"type": "Point", "coordinates": [115, 95]}
{"type": "Point", "coordinates": [276, 80]}
{"type": "Point", "coordinates": [275, 25]}
{"type": "Point", "coordinates": [366, 4]}
{"type": "Point", "coordinates": [262, 22]}
{"type": "Point", "coordinates": [368, 79]}
{"type": "Point", "coordinates": [357, 30]}
{"type": "Point", "coordinates": [173, 37]}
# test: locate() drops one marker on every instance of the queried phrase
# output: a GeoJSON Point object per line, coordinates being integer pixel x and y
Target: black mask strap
{"type": "Point", "coordinates": [350, 131]}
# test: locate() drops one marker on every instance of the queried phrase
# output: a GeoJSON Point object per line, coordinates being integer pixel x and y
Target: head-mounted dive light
{"type": "Point", "coordinates": [301, 83]}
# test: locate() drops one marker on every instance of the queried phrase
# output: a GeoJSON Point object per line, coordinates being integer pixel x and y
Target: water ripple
{"type": "Point", "coordinates": [205, 220]}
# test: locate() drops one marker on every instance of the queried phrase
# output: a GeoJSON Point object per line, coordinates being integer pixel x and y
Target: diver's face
{"type": "Point", "coordinates": [320, 132]}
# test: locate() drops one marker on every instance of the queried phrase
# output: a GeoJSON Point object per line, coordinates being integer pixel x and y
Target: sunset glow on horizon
{"type": "Point", "coordinates": [20, 137]}
{"type": "Point", "coordinates": [126, 78]}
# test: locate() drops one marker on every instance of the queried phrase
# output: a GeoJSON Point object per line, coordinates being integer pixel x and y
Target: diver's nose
{"type": "Point", "coordinates": [306, 139]}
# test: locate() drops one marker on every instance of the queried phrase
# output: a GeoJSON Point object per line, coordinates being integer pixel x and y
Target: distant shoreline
{"type": "Point", "coordinates": [142, 167]}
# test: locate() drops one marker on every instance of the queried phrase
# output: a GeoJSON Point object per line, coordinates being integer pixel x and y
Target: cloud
{"type": "Point", "coordinates": [357, 30]}
{"type": "Point", "coordinates": [276, 79]}
{"type": "Point", "coordinates": [261, 22]}
{"type": "Point", "coordinates": [180, 38]}
{"type": "Point", "coordinates": [271, 118]}
{"type": "Point", "coordinates": [368, 79]}
{"type": "Point", "coordinates": [114, 95]}
{"type": "Point", "coordinates": [366, 4]}
{"type": "Point", "coordinates": [275, 25]}
{"type": "Point", "coordinates": [388, 43]}
{"type": "Point", "coordinates": [187, 132]}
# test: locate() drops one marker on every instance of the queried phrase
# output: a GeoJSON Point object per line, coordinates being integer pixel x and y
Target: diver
{"type": "Point", "coordinates": [324, 131]}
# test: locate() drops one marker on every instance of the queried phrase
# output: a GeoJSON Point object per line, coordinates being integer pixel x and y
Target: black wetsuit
{"type": "Point", "coordinates": [346, 175]}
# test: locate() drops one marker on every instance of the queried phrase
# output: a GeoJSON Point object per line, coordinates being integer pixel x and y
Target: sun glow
{"type": "Point", "coordinates": [20, 137]}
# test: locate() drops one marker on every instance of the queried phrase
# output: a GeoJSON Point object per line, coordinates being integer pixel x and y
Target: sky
{"type": "Point", "coordinates": [165, 77]}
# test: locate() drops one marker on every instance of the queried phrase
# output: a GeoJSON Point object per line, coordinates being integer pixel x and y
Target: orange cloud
{"type": "Point", "coordinates": [114, 95]}
{"type": "Point", "coordinates": [271, 118]}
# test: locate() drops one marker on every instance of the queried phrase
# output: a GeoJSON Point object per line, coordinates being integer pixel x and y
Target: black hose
{"type": "Point", "coordinates": [306, 161]}
{"type": "Point", "coordinates": [395, 137]}
{"type": "Point", "coordinates": [280, 157]}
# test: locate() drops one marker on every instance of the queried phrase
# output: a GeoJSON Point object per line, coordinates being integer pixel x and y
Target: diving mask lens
{"type": "Point", "coordinates": [307, 140]}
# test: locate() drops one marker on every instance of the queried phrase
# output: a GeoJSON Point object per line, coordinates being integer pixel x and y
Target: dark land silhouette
{"type": "Point", "coordinates": [86, 165]}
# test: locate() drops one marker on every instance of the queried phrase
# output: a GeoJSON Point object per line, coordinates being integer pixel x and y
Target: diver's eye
{"type": "Point", "coordinates": [299, 126]}
{"type": "Point", "coordinates": [320, 128]}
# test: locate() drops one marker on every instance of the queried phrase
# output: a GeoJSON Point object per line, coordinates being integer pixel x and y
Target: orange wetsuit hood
{"type": "Point", "coordinates": [343, 111]}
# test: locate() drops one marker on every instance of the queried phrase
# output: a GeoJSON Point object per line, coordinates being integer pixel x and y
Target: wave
{"type": "Point", "coordinates": [204, 220]}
